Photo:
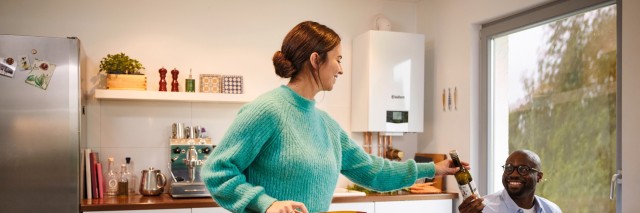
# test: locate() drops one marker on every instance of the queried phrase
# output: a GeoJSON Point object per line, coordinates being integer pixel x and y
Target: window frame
{"type": "Point", "coordinates": [530, 18]}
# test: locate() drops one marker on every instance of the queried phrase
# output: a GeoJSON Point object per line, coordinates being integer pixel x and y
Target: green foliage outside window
{"type": "Point", "coordinates": [569, 117]}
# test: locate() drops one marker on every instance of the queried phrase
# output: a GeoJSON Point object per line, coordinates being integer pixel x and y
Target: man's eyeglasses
{"type": "Point", "coordinates": [522, 170]}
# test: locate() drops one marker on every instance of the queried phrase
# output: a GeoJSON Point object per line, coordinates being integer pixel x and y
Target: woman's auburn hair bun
{"type": "Point", "coordinates": [283, 67]}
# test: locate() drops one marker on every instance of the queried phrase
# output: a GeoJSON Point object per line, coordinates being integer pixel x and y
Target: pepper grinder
{"type": "Point", "coordinates": [163, 82]}
{"type": "Point", "coordinates": [174, 83]}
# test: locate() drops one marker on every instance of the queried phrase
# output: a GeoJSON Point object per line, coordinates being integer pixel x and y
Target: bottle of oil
{"type": "Point", "coordinates": [463, 177]}
{"type": "Point", "coordinates": [123, 181]}
{"type": "Point", "coordinates": [131, 177]}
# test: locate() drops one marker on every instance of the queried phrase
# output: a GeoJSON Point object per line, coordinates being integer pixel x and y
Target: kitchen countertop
{"type": "Point", "coordinates": [165, 201]}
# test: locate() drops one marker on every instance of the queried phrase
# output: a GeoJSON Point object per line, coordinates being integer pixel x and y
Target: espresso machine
{"type": "Point", "coordinates": [188, 152]}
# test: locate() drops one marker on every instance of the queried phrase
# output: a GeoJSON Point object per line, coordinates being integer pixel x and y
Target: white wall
{"type": "Point", "coordinates": [208, 36]}
{"type": "Point", "coordinates": [452, 60]}
{"type": "Point", "coordinates": [630, 105]}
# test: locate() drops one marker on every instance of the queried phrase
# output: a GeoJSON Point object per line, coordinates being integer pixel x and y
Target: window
{"type": "Point", "coordinates": [551, 88]}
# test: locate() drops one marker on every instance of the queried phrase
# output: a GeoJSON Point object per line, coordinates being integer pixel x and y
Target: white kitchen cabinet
{"type": "Point", "coordinates": [209, 210]}
{"type": "Point", "coordinates": [414, 206]}
{"type": "Point", "coordinates": [188, 210]}
{"type": "Point", "coordinates": [364, 207]}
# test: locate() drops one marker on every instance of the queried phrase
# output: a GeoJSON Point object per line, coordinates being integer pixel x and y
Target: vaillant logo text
{"type": "Point", "coordinates": [397, 96]}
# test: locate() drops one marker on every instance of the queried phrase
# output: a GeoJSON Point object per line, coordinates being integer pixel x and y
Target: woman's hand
{"type": "Point", "coordinates": [446, 167]}
{"type": "Point", "coordinates": [287, 206]}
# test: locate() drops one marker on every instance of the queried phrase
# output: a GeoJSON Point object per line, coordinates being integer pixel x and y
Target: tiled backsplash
{"type": "Point", "coordinates": [141, 129]}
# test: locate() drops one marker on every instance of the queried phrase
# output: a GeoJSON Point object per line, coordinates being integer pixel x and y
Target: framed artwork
{"type": "Point", "coordinates": [210, 83]}
{"type": "Point", "coordinates": [232, 84]}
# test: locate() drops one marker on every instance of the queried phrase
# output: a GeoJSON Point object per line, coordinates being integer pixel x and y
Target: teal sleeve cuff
{"type": "Point", "coordinates": [426, 170]}
{"type": "Point", "coordinates": [261, 203]}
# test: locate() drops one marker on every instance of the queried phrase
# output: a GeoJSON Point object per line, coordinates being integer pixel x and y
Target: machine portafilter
{"type": "Point", "coordinates": [192, 162]}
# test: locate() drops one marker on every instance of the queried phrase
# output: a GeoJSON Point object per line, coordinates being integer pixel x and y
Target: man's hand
{"type": "Point", "coordinates": [287, 206]}
{"type": "Point", "coordinates": [471, 204]}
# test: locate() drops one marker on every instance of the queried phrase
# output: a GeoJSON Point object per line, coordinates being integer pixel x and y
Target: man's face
{"type": "Point", "coordinates": [517, 184]}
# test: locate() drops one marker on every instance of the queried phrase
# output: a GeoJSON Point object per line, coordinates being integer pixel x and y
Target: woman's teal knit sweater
{"type": "Point", "coordinates": [280, 147]}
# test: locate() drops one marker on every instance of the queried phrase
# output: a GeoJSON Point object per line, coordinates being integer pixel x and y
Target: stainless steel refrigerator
{"type": "Point", "coordinates": [42, 125]}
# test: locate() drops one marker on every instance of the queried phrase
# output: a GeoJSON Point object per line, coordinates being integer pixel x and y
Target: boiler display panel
{"type": "Point", "coordinates": [397, 117]}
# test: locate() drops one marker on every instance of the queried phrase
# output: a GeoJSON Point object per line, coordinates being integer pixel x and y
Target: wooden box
{"type": "Point", "coordinates": [438, 181]}
{"type": "Point", "coordinates": [126, 82]}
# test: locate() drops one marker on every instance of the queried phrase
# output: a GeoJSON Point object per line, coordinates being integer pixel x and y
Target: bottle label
{"type": "Point", "coordinates": [113, 184]}
{"type": "Point", "coordinates": [468, 189]}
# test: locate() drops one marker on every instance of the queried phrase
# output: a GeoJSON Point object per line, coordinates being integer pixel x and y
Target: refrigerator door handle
{"type": "Point", "coordinates": [616, 179]}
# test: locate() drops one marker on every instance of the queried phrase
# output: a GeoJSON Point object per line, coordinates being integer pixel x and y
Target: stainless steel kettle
{"type": "Point", "coordinates": [152, 182]}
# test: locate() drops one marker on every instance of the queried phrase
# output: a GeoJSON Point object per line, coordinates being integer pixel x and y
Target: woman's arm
{"type": "Point", "coordinates": [223, 171]}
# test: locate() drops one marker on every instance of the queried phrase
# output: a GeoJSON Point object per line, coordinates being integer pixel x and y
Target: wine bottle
{"type": "Point", "coordinates": [463, 177]}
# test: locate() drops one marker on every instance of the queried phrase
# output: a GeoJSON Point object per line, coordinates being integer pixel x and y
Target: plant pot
{"type": "Point", "coordinates": [126, 82]}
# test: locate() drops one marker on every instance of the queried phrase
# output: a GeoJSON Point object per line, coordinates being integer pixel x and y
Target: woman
{"type": "Point", "coordinates": [281, 154]}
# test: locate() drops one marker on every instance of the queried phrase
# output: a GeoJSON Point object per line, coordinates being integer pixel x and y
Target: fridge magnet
{"type": "Point", "coordinates": [23, 63]}
{"type": "Point", "coordinates": [210, 83]}
{"type": "Point", "coordinates": [7, 67]}
{"type": "Point", "coordinates": [40, 75]}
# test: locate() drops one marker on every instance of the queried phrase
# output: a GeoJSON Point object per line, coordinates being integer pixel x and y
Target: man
{"type": "Point", "coordinates": [522, 171]}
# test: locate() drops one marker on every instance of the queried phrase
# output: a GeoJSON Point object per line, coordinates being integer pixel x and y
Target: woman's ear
{"type": "Point", "coordinates": [313, 59]}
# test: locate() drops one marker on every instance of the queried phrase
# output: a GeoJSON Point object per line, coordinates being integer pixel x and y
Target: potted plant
{"type": "Point", "coordinates": [123, 72]}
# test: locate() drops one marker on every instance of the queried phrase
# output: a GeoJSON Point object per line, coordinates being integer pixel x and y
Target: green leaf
{"type": "Point", "coordinates": [39, 80]}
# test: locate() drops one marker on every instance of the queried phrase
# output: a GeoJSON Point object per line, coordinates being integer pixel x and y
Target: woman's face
{"type": "Point", "coordinates": [331, 68]}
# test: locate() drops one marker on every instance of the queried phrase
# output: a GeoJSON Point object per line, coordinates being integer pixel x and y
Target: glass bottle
{"type": "Point", "coordinates": [463, 177]}
{"type": "Point", "coordinates": [394, 154]}
{"type": "Point", "coordinates": [123, 181]}
{"type": "Point", "coordinates": [190, 84]}
{"type": "Point", "coordinates": [111, 179]}
{"type": "Point", "coordinates": [133, 179]}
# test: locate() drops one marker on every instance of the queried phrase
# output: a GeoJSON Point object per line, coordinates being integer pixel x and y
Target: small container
{"type": "Point", "coordinates": [190, 83]}
{"type": "Point", "coordinates": [123, 181]}
{"type": "Point", "coordinates": [203, 133]}
{"type": "Point", "coordinates": [197, 131]}
{"type": "Point", "coordinates": [178, 131]}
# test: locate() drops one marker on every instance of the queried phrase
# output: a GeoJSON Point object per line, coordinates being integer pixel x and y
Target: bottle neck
{"type": "Point", "coordinates": [456, 162]}
{"type": "Point", "coordinates": [110, 167]}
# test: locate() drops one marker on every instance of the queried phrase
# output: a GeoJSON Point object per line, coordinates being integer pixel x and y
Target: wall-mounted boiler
{"type": "Point", "coordinates": [388, 82]}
